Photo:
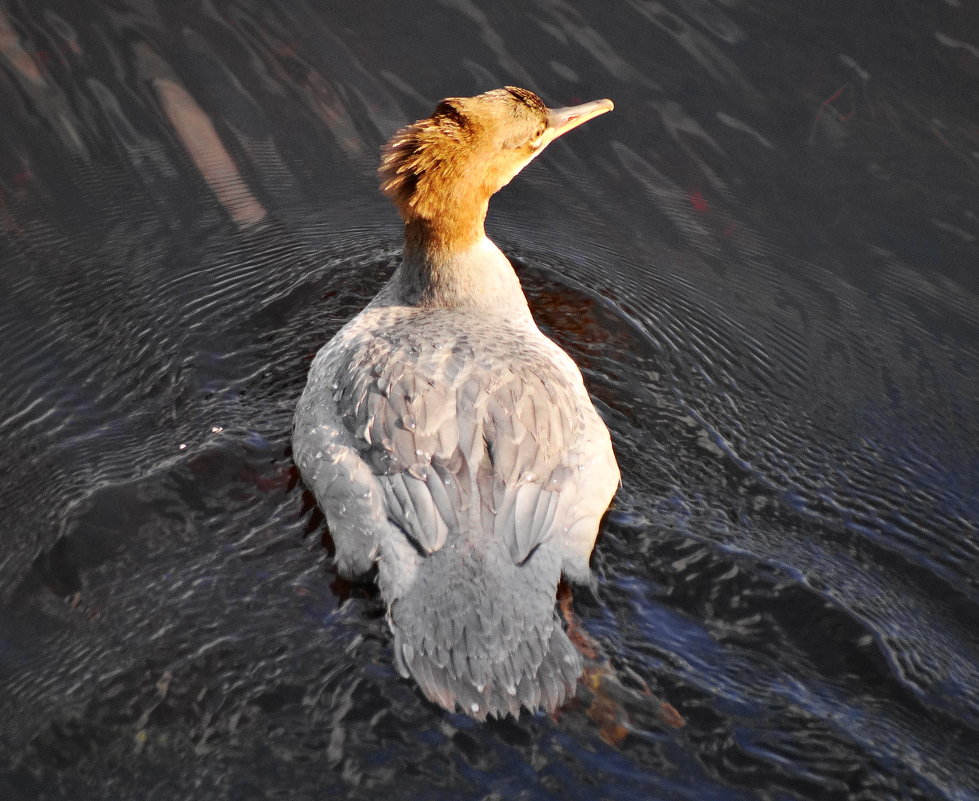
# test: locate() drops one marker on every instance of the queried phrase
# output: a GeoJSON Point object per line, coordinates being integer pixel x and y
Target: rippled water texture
{"type": "Point", "coordinates": [764, 260]}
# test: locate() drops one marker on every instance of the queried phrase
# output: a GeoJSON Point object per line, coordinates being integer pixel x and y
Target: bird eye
{"type": "Point", "coordinates": [537, 140]}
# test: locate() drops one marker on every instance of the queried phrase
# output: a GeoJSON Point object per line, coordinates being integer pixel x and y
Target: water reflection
{"type": "Point", "coordinates": [766, 268]}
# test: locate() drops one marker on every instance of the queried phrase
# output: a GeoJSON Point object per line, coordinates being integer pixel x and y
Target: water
{"type": "Point", "coordinates": [763, 260]}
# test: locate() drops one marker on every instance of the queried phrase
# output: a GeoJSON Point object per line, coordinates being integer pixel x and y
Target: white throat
{"type": "Point", "coordinates": [480, 277]}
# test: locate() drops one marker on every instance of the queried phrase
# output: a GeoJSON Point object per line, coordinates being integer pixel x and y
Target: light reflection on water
{"type": "Point", "coordinates": [762, 260]}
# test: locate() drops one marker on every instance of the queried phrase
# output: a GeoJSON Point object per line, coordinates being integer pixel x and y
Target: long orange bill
{"type": "Point", "coordinates": [562, 120]}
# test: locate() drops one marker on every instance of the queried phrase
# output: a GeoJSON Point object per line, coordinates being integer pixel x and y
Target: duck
{"type": "Point", "coordinates": [448, 441]}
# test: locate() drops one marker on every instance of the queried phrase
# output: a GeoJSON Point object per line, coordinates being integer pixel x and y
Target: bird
{"type": "Point", "coordinates": [448, 441]}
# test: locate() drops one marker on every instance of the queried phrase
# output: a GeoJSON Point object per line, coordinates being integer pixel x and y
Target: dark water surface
{"type": "Point", "coordinates": [765, 260]}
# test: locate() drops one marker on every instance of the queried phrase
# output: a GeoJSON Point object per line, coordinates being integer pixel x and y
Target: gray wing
{"type": "Point", "coordinates": [442, 442]}
{"type": "Point", "coordinates": [345, 487]}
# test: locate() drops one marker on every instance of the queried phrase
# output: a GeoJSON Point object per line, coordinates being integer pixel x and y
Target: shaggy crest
{"type": "Point", "coordinates": [427, 167]}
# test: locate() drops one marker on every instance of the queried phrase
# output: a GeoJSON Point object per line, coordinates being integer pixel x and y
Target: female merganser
{"type": "Point", "coordinates": [448, 440]}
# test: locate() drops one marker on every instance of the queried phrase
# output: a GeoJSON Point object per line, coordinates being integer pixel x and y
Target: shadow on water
{"type": "Point", "coordinates": [763, 262]}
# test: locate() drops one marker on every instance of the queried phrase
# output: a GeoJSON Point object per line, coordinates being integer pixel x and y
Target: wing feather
{"type": "Point", "coordinates": [464, 446]}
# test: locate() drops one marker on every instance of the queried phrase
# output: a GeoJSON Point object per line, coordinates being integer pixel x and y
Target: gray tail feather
{"type": "Point", "coordinates": [485, 641]}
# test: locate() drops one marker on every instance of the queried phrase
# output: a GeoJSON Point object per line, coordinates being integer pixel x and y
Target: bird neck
{"type": "Point", "coordinates": [465, 272]}
{"type": "Point", "coordinates": [444, 218]}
